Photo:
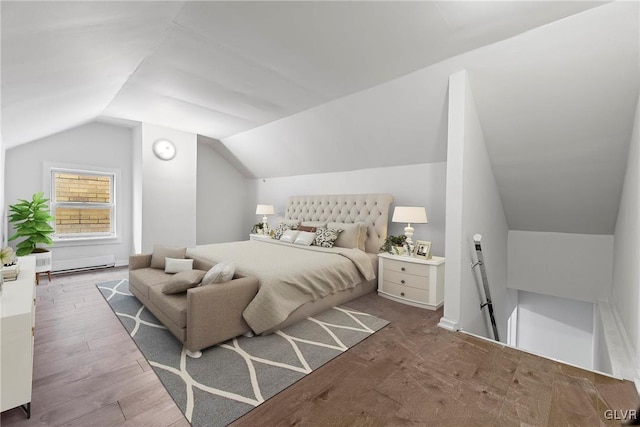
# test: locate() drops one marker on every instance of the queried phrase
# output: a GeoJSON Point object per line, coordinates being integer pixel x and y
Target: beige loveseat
{"type": "Point", "coordinates": [200, 317]}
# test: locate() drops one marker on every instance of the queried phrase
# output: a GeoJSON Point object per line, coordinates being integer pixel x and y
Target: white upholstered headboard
{"type": "Point", "coordinates": [372, 209]}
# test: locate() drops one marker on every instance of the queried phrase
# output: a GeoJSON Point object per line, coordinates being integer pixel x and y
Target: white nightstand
{"type": "Point", "coordinates": [412, 281]}
{"type": "Point", "coordinates": [255, 236]}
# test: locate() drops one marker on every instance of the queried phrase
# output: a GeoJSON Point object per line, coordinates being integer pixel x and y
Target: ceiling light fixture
{"type": "Point", "coordinates": [164, 149]}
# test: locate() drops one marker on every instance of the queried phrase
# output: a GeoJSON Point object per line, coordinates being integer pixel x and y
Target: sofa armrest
{"type": "Point", "coordinates": [214, 312]}
{"type": "Point", "coordinates": [139, 261]}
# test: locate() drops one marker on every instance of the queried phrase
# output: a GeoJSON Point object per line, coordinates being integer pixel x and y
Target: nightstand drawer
{"type": "Point", "coordinates": [399, 291]}
{"type": "Point", "coordinates": [406, 267]}
{"type": "Point", "coordinates": [405, 279]}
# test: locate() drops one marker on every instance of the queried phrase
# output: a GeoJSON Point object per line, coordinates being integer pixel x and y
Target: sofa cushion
{"type": "Point", "coordinates": [182, 281]}
{"type": "Point", "coordinates": [145, 278]}
{"type": "Point", "coordinates": [219, 273]}
{"type": "Point", "coordinates": [173, 306]}
{"type": "Point", "coordinates": [173, 265]}
{"type": "Point", "coordinates": [160, 252]}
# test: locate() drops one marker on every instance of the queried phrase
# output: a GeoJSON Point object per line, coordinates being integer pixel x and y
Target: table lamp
{"type": "Point", "coordinates": [264, 210]}
{"type": "Point", "coordinates": [409, 214]}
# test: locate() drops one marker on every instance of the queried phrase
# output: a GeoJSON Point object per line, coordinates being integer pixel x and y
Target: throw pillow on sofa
{"type": "Point", "coordinates": [219, 273]}
{"type": "Point", "coordinates": [173, 265]}
{"type": "Point", "coordinates": [182, 281]}
{"type": "Point", "coordinates": [160, 252]}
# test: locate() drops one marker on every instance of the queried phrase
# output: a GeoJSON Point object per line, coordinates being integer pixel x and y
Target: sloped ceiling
{"type": "Point", "coordinates": [307, 87]}
{"type": "Point", "coordinates": [220, 68]}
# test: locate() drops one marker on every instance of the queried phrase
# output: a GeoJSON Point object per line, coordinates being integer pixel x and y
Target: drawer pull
{"type": "Point", "coordinates": [401, 268]}
{"type": "Point", "coordinates": [402, 281]}
{"type": "Point", "coordinates": [401, 293]}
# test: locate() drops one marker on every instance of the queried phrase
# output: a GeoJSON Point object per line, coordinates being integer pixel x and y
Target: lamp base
{"type": "Point", "coordinates": [408, 231]}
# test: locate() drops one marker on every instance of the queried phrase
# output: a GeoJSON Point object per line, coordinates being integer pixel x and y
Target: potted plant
{"type": "Point", "coordinates": [30, 219]}
{"type": "Point", "coordinates": [394, 244]}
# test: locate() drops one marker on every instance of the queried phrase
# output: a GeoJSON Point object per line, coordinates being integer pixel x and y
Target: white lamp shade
{"type": "Point", "coordinates": [410, 214]}
{"type": "Point", "coordinates": [265, 210]}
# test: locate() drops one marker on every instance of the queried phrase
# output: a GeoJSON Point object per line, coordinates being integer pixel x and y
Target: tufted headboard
{"type": "Point", "coordinates": [372, 209]}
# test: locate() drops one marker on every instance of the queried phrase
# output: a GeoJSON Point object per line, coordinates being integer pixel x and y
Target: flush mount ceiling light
{"type": "Point", "coordinates": [164, 149]}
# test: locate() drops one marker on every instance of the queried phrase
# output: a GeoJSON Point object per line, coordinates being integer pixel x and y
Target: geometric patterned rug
{"type": "Point", "coordinates": [233, 377]}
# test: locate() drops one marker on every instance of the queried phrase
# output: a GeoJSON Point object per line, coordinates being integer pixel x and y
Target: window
{"type": "Point", "coordinates": [83, 204]}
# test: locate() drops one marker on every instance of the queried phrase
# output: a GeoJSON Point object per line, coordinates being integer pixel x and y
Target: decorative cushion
{"type": "Point", "coordinates": [160, 252]}
{"type": "Point", "coordinates": [307, 228]}
{"type": "Point", "coordinates": [305, 238]}
{"type": "Point", "coordinates": [326, 237]}
{"type": "Point", "coordinates": [182, 281]}
{"type": "Point", "coordinates": [219, 273]}
{"type": "Point", "coordinates": [353, 235]}
{"type": "Point", "coordinates": [281, 228]}
{"type": "Point", "coordinates": [289, 236]}
{"type": "Point", "coordinates": [172, 265]}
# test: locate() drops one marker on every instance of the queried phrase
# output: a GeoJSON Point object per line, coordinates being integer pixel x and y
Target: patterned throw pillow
{"type": "Point", "coordinates": [326, 237]}
{"type": "Point", "coordinates": [282, 227]}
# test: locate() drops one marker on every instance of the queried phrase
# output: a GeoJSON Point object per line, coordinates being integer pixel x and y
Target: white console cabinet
{"type": "Point", "coordinates": [17, 326]}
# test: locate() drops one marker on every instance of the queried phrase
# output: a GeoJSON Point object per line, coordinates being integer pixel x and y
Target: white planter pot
{"type": "Point", "coordinates": [43, 261]}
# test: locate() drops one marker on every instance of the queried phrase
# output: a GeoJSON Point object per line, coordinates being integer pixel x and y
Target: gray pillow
{"type": "Point", "coordinates": [182, 281]}
{"type": "Point", "coordinates": [351, 236]}
{"type": "Point", "coordinates": [219, 273]}
{"type": "Point", "coordinates": [160, 252]}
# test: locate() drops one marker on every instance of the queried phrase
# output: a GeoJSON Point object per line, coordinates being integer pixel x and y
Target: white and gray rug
{"type": "Point", "coordinates": [234, 377]}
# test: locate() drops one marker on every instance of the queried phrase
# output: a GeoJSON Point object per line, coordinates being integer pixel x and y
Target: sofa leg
{"type": "Point", "coordinates": [194, 354]}
{"type": "Point", "coordinates": [248, 334]}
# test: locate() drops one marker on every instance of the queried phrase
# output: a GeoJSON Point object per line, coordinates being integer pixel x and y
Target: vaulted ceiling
{"type": "Point", "coordinates": [362, 83]}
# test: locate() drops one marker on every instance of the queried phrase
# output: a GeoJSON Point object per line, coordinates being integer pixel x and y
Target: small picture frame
{"type": "Point", "coordinates": [422, 249]}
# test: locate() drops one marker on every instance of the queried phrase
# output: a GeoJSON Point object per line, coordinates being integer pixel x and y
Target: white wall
{"type": "Point", "coordinates": [473, 206]}
{"type": "Point", "coordinates": [221, 199]}
{"type": "Point", "coordinates": [136, 189]}
{"type": "Point", "coordinates": [576, 266]}
{"type": "Point", "coordinates": [625, 293]}
{"type": "Point", "coordinates": [95, 144]}
{"type": "Point", "coordinates": [601, 357]}
{"type": "Point", "coordinates": [3, 209]}
{"type": "Point", "coordinates": [554, 327]}
{"type": "Point", "coordinates": [413, 185]}
{"type": "Point", "coordinates": [168, 189]}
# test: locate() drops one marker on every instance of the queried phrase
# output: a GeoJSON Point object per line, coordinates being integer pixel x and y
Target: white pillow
{"type": "Point", "coordinates": [289, 236]}
{"type": "Point", "coordinates": [305, 238]}
{"type": "Point", "coordinates": [219, 273]}
{"type": "Point", "coordinates": [174, 265]}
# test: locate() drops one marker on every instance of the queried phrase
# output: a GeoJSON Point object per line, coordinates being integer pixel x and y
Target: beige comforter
{"type": "Point", "coordinates": [289, 275]}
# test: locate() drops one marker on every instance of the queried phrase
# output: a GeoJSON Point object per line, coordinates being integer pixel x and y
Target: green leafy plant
{"type": "Point", "coordinates": [393, 241]}
{"type": "Point", "coordinates": [31, 221]}
{"type": "Point", "coordinates": [258, 226]}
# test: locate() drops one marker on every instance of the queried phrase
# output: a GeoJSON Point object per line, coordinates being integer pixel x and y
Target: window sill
{"type": "Point", "coordinates": [86, 241]}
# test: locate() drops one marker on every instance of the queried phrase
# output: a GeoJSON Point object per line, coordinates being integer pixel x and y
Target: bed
{"type": "Point", "coordinates": [295, 281]}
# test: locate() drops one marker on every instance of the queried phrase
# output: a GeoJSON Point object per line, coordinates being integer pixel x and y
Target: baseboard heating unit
{"type": "Point", "coordinates": [88, 263]}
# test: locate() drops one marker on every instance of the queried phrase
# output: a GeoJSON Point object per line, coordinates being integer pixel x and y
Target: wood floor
{"type": "Point", "coordinates": [88, 372]}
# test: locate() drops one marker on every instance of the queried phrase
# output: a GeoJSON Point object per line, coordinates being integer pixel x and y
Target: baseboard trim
{"type": "Point", "coordinates": [624, 363]}
{"type": "Point", "coordinates": [448, 324]}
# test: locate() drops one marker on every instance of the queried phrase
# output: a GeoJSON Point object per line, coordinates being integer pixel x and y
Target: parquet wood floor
{"type": "Point", "coordinates": [88, 372]}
